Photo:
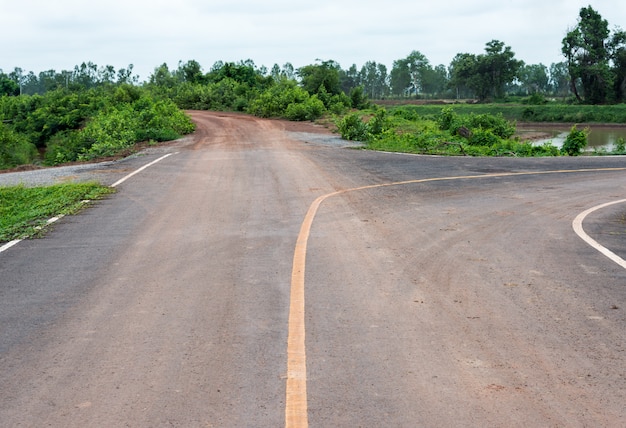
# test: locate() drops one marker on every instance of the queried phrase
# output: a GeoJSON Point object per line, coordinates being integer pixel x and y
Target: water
{"type": "Point", "coordinates": [601, 137]}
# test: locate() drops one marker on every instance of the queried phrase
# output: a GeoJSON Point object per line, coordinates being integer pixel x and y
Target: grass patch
{"type": "Point", "coordinates": [25, 210]}
{"type": "Point", "coordinates": [551, 112]}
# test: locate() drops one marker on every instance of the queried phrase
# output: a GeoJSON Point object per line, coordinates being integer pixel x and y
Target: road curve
{"type": "Point", "coordinates": [446, 300]}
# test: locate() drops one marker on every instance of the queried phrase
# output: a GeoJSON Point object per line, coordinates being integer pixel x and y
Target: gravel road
{"type": "Point", "coordinates": [439, 291]}
{"type": "Point", "coordinates": [106, 173]}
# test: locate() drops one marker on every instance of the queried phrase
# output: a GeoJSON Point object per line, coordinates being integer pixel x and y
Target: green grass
{"type": "Point", "coordinates": [552, 112]}
{"type": "Point", "coordinates": [25, 210]}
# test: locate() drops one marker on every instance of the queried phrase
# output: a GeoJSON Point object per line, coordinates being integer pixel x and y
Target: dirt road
{"type": "Point", "coordinates": [462, 301]}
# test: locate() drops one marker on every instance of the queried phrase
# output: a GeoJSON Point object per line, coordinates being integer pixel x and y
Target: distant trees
{"type": "Point", "coordinates": [596, 59]}
{"type": "Point", "coordinates": [84, 76]}
{"type": "Point", "coordinates": [488, 74]}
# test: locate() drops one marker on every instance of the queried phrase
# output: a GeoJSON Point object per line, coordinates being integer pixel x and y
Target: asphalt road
{"type": "Point", "coordinates": [438, 291]}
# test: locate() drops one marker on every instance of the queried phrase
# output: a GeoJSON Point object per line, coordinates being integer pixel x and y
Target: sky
{"type": "Point", "coordinates": [39, 35]}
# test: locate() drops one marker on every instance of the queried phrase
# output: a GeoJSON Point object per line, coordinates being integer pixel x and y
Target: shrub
{"type": "Point", "coordinates": [352, 127]}
{"type": "Point", "coordinates": [575, 142]}
{"type": "Point", "coordinates": [14, 148]}
{"type": "Point", "coordinates": [311, 109]}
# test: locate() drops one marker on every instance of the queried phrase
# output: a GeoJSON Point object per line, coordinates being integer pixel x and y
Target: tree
{"type": "Point", "coordinates": [373, 78]}
{"type": "Point", "coordinates": [162, 77]}
{"type": "Point", "coordinates": [400, 77]}
{"type": "Point", "coordinates": [190, 71]}
{"type": "Point", "coordinates": [488, 74]}
{"type": "Point", "coordinates": [618, 57]}
{"type": "Point", "coordinates": [585, 49]}
{"type": "Point", "coordinates": [323, 75]}
{"type": "Point", "coordinates": [461, 72]}
{"type": "Point", "coordinates": [8, 86]}
{"type": "Point", "coordinates": [534, 78]}
{"type": "Point", "coordinates": [349, 79]}
{"type": "Point", "coordinates": [559, 79]}
{"type": "Point", "coordinates": [435, 80]}
{"type": "Point", "coordinates": [499, 67]}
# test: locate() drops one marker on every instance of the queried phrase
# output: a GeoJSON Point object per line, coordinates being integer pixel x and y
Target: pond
{"type": "Point", "coordinates": [601, 136]}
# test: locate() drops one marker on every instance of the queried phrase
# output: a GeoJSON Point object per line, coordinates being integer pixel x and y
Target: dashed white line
{"type": "Point", "coordinates": [117, 183]}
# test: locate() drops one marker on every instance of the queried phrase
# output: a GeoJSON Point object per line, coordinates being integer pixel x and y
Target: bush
{"type": "Point", "coordinates": [575, 142]}
{"type": "Point", "coordinates": [311, 109]}
{"type": "Point", "coordinates": [352, 128]}
{"type": "Point", "coordinates": [14, 149]}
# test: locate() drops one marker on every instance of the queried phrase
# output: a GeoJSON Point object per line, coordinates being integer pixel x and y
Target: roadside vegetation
{"type": "Point", "coordinates": [24, 211]}
{"type": "Point", "coordinates": [93, 112]}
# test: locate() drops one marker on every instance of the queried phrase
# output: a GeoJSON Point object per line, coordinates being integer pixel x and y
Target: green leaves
{"type": "Point", "coordinates": [15, 149]}
{"type": "Point", "coordinates": [595, 59]}
{"type": "Point", "coordinates": [575, 142]}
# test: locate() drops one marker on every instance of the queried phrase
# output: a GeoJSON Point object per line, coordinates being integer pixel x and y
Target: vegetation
{"type": "Point", "coordinates": [596, 59]}
{"type": "Point", "coordinates": [69, 125]}
{"type": "Point", "coordinates": [92, 111]}
{"type": "Point", "coordinates": [24, 211]}
{"type": "Point", "coordinates": [523, 112]}
{"type": "Point", "coordinates": [575, 142]}
{"type": "Point", "coordinates": [447, 133]}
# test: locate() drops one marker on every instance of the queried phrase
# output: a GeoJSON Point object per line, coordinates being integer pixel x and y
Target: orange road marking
{"type": "Point", "coordinates": [296, 403]}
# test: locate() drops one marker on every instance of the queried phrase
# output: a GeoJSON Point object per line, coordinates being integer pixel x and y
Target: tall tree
{"type": "Point", "coordinates": [618, 57]}
{"type": "Point", "coordinates": [585, 49]}
{"type": "Point", "coordinates": [349, 79]}
{"type": "Point", "coordinates": [373, 78]}
{"type": "Point", "coordinates": [400, 77]}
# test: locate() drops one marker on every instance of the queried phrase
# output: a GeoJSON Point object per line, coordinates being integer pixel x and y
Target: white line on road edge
{"type": "Point", "coordinates": [578, 228]}
{"type": "Point", "coordinates": [120, 181]}
{"type": "Point", "coordinates": [117, 183]}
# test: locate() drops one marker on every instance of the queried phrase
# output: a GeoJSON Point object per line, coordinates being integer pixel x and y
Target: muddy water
{"type": "Point", "coordinates": [600, 136]}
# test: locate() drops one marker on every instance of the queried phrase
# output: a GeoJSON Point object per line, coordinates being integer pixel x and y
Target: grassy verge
{"type": "Point", "coordinates": [25, 210]}
{"type": "Point", "coordinates": [528, 113]}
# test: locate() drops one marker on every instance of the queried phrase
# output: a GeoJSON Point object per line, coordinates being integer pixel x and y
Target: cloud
{"type": "Point", "coordinates": [60, 34]}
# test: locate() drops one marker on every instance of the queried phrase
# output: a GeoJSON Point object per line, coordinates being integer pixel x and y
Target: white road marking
{"type": "Point", "coordinates": [578, 228]}
{"type": "Point", "coordinates": [117, 183]}
{"type": "Point", "coordinates": [296, 404]}
{"type": "Point", "coordinates": [120, 181]}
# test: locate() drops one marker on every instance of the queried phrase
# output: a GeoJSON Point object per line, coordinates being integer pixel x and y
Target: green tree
{"type": "Point", "coordinates": [585, 49]}
{"type": "Point", "coordinates": [461, 72]}
{"type": "Point", "coordinates": [373, 78]}
{"type": "Point", "coordinates": [618, 58]}
{"type": "Point", "coordinates": [488, 74]}
{"type": "Point", "coordinates": [325, 74]}
{"type": "Point", "coordinates": [400, 77]}
{"type": "Point", "coordinates": [8, 86]}
{"type": "Point", "coordinates": [190, 71]}
{"type": "Point", "coordinates": [349, 79]}
{"type": "Point", "coordinates": [435, 80]}
{"type": "Point", "coordinates": [534, 78]}
{"type": "Point", "coordinates": [559, 79]}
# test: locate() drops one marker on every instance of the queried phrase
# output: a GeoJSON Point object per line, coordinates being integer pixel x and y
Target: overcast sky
{"type": "Point", "coordinates": [39, 35]}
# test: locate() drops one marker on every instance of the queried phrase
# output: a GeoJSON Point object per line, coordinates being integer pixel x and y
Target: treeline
{"type": "Point", "coordinates": [594, 72]}
{"type": "Point", "coordinates": [96, 111]}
